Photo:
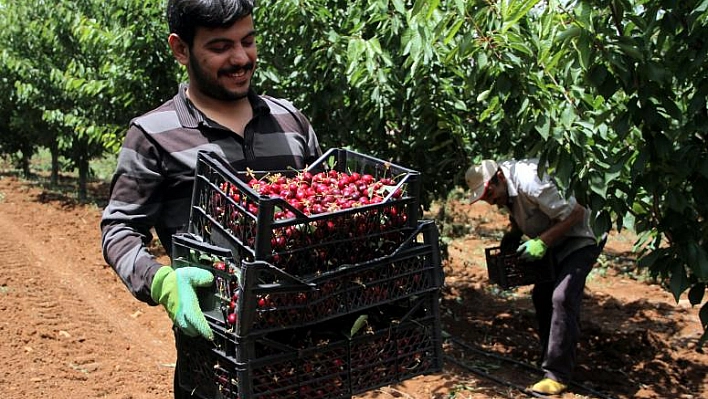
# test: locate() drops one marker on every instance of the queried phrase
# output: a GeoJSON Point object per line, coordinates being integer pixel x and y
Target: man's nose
{"type": "Point", "coordinates": [239, 55]}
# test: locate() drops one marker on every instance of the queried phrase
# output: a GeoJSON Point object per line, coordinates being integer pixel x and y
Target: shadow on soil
{"type": "Point", "coordinates": [619, 352]}
{"type": "Point", "coordinates": [65, 192]}
{"type": "Point", "coordinates": [624, 348]}
{"type": "Point", "coordinates": [620, 349]}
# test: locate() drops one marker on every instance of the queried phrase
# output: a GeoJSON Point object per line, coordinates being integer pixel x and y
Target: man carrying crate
{"type": "Point", "coordinates": [538, 210]}
{"type": "Point", "coordinates": [216, 111]}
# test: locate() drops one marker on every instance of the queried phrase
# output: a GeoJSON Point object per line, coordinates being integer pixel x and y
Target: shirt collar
{"type": "Point", "coordinates": [510, 187]}
{"type": "Point", "coordinates": [191, 117]}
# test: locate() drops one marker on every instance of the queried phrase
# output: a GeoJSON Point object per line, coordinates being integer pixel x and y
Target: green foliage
{"type": "Point", "coordinates": [363, 76]}
{"type": "Point", "coordinates": [81, 70]}
{"type": "Point", "coordinates": [643, 63]}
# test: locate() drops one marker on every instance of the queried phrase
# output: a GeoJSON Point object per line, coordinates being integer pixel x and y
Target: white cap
{"type": "Point", "coordinates": [478, 176]}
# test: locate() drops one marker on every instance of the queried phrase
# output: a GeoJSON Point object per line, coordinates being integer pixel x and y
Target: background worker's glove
{"type": "Point", "coordinates": [174, 289]}
{"type": "Point", "coordinates": [532, 250]}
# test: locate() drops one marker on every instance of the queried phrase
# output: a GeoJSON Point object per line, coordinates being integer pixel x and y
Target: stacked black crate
{"type": "Point", "coordinates": [323, 305]}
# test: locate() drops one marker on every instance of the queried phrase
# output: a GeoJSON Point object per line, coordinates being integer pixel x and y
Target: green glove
{"type": "Point", "coordinates": [532, 250]}
{"type": "Point", "coordinates": [174, 289]}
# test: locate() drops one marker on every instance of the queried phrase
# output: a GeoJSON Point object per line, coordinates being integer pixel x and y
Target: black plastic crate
{"type": "Point", "coordinates": [405, 350]}
{"type": "Point", "coordinates": [334, 359]}
{"type": "Point", "coordinates": [259, 367]}
{"type": "Point", "coordinates": [508, 271]}
{"type": "Point", "coordinates": [227, 212]}
{"type": "Point", "coordinates": [250, 298]}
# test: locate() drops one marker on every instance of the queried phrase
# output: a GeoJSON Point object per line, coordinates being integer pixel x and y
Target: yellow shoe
{"type": "Point", "coordinates": [548, 386]}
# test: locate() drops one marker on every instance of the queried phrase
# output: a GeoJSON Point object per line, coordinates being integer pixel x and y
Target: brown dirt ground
{"type": "Point", "coordinates": [70, 329]}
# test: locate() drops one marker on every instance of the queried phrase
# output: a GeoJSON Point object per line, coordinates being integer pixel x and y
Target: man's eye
{"type": "Point", "coordinates": [219, 49]}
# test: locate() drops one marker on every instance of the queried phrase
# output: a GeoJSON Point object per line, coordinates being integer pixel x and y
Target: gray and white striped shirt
{"type": "Point", "coordinates": [153, 182]}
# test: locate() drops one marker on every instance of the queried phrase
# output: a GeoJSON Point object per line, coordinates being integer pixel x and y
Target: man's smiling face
{"type": "Point", "coordinates": [222, 60]}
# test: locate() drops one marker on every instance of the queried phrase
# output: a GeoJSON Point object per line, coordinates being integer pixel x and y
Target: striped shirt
{"type": "Point", "coordinates": [153, 181]}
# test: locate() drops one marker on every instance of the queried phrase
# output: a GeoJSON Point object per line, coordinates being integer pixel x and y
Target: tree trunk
{"type": "Point", "coordinates": [27, 151]}
{"type": "Point", "coordinates": [54, 150]}
{"type": "Point", "coordinates": [25, 163]}
{"type": "Point", "coordinates": [83, 178]}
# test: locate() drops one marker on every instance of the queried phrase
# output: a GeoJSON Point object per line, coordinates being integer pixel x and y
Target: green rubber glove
{"type": "Point", "coordinates": [532, 250]}
{"type": "Point", "coordinates": [174, 289]}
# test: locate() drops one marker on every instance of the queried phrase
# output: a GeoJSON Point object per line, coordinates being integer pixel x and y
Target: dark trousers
{"type": "Point", "coordinates": [179, 392]}
{"type": "Point", "coordinates": [558, 312]}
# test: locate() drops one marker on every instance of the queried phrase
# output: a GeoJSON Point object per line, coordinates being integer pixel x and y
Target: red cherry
{"type": "Point", "coordinates": [367, 178]}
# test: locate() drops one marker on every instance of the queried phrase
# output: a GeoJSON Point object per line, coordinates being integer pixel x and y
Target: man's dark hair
{"type": "Point", "coordinates": [184, 16]}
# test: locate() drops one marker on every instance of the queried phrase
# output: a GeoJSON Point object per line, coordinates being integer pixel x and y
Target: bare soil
{"type": "Point", "coordinates": [70, 329]}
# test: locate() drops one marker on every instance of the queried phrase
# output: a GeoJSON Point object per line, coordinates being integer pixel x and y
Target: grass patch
{"type": "Point", "coordinates": [101, 168]}
{"type": "Point", "coordinates": [66, 189]}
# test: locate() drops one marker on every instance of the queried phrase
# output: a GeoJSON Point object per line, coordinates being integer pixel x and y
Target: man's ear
{"type": "Point", "coordinates": [180, 50]}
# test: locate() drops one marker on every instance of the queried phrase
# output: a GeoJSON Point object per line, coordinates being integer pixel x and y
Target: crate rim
{"type": "Point", "coordinates": [215, 160]}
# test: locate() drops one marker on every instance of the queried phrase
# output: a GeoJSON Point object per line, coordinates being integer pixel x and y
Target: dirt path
{"type": "Point", "coordinates": [70, 329]}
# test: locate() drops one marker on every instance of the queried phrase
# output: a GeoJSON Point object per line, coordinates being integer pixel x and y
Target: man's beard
{"type": "Point", "coordinates": [211, 87]}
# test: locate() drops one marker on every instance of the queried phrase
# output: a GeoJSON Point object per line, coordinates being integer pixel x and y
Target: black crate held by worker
{"type": "Point", "coordinates": [337, 358]}
{"type": "Point", "coordinates": [319, 228]}
{"type": "Point", "coordinates": [508, 271]}
{"type": "Point", "coordinates": [249, 298]}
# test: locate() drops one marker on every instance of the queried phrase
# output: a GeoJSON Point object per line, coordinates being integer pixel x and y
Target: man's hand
{"type": "Point", "coordinates": [532, 250]}
{"type": "Point", "coordinates": [174, 289]}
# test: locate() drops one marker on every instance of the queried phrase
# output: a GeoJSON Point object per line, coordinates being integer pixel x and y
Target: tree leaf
{"type": "Point", "coordinates": [571, 32]}
{"type": "Point", "coordinates": [703, 315]}
{"type": "Point", "coordinates": [631, 50]}
{"type": "Point", "coordinates": [543, 127]}
{"type": "Point", "coordinates": [698, 260]}
{"type": "Point", "coordinates": [513, 11]}
{"type": "Point", "coordinates": [678, 282]}
{"type": "Point", "coordinates": [453, 31]}
{"type": "Point", "coordinates": [696, 293]}
{"type": "Point", "coordinates": [483, 95]}
{"type": "Point", "coordinates": [358, 324]}
{"type": "Point", "coordinates": [602, 224]}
